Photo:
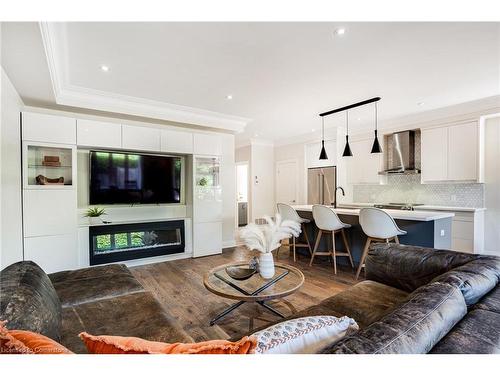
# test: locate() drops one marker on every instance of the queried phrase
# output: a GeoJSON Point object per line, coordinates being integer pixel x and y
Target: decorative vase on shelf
{"type": "Point", "coordinates": [266, 265]}
{"type": "Point", "coordinates": [95, 220]}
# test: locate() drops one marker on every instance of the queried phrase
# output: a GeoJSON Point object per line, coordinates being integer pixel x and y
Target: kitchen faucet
{"type": "Point", "coordinates": [343, 193]}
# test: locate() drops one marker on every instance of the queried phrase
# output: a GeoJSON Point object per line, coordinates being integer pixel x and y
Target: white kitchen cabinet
{"type": "Point", "coordinates": [207, 144]}
{"type": "Point", "coordinates": [312, 154]}
{"type": "Point", "coordinates": [363, 166]}
{"type": "Point", "coordinates": [49, 212]}
{"type": "Point", "coordinates": [463, 152]}
{"type": "Point", "coordinates": [141, 138]}
{"type": "Point", "coordinates": [176, 141]}
{"type": "Point", "coordinates": [53, 253]}
{"type": "Point", "coordinates": [207, 239]}
{"type": "Point", "coordinates": [450, 153]}
{"type": "Point", "coordinates": [434, 150]}
{"type": "Point", "coordinates": [99, 134]}
{"type": "Point", "coordinates": [41, 127]}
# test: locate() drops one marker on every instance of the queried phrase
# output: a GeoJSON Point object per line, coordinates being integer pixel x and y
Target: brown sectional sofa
{"type": "Point", "coordinates": [104, 300]}
{"type": "Point", "coordinates": [415, 300]}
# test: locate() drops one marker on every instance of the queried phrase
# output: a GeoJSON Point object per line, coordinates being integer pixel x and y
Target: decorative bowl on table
{"type": "Point", "coordinates": [240, 272]}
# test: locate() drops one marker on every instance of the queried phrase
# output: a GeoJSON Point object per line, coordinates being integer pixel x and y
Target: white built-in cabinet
{"type": "Point", "coordinates": [312, 154]}
{"type": "Point", "coordinates": [363, 166]}
{"type": "Point", "coordinates": [176, 141]}
{"type": "Point", "coordinates": [141, 138]}
{"type": "Point", "coordinates": [49, 211]}
{"type": "Point", "coordinates": [100, 134]}
{"type": "Point", "coordinates": [450, 153]}
{"type": "Point", "coordinates": [207, 144]}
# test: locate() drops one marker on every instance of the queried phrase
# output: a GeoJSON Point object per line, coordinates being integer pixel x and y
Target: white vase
{"type": "Point", "coordinates": [266, 265]}
{"type": "Point", "coordinates": [96, 220]}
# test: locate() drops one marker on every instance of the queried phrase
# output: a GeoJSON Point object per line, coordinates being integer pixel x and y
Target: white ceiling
{"type": "Point", "coordinates": [281, 75]}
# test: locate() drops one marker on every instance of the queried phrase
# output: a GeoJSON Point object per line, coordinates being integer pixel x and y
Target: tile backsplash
{"type": "Point", "coordinates": [408, 189]}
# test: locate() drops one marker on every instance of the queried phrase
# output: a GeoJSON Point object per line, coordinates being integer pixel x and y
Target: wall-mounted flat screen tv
{"type": "Point", "coordinates": [127, 178]}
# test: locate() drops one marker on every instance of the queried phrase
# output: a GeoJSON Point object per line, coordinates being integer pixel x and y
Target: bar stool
{"type": "Point", "coordinates": [379, 226]}
{"type": "Point", "coordinates": [327, 221]}
{"type": "Point", "coordinates": [287, 212]}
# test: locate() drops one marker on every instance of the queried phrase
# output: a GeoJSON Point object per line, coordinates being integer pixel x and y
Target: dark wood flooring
{"type": "Point", "coordinates": [178, 285]}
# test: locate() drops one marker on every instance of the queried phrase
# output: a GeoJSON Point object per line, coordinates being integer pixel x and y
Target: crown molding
{"type": "Point", "coordinates": [54, 42]}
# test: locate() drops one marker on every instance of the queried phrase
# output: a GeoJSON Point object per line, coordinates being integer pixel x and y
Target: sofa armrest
{"type": "Point", "coordinates": [409, 267]}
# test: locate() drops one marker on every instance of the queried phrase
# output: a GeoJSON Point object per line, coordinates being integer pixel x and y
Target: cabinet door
{"type": "Point", "coordinates": [462, 152]}
{"type": "Point", "coordinates": [99, 134]}
{"type": "Point", "coordinates": [176, 141]}
{"type": "Point", "coordinates": [313, 150]}
{"type": "Point", "coordinates": [40, 127]}
{"type": "Point", "coordinates": [207, 239]}
{"type": "Point", "coordinates": [140, 138]}
{"type": "Point", "coordinates": [49, 212]}
{"type": "Point", "coordinates": [53, 253]}
{"type": "Point", "coordinates": [207, 144]}
{"type": "Point", "coordinates": [434, 150]}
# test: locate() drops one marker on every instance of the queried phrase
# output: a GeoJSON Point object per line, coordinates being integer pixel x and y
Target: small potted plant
{"type": "Point", "coordinates": [94, 214]}
{"type": "Point", "coordinates": [266, 238]}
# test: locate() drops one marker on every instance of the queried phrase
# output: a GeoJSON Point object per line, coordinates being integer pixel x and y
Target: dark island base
{"type": "Point", "coordinates": [434, 234]}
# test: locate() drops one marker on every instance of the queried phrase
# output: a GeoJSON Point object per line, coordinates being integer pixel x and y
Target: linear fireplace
{"type": "Point", "coordinates": [118, 242]}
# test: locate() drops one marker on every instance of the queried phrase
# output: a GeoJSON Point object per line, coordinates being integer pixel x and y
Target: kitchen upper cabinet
{"type": "Point", "coordinates": [434, 150]}
{"type": "Point", "coordinates": [363, 166]}
{"type": "Point", "coordinates": [99, 134]}
{"type": "Point", "coordinates": [141, 138]}
{"type": "Point", "coordinates": [312, 154]}
{"type": "Point", "coordinates": [463, 152]}
{"type": "Point", "coordinates": [40, 127]}
{"type": "Point", "coordinates": [450, 153]}
{"type": "Point", "coordinates": [176, 141]}
{"type": "Point", "coordinates": [207, 144]}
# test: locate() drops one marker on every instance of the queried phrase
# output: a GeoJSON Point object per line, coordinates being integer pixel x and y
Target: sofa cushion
{"type": "Point", "coordinates": [414, 327]}
{"type": "Point", "coordinates": [137, 315]}
{"type": "Point", "coordinates": [28, 300]}
{"type": "Point", "coordinates": [490, 302]}
{"type": "Point", "coordinates": [475, 279]}
{"type": "Point", "coordinates": [477, 333]}
{"type": "Point", "coordinates": [94, 283]}
{"type": "Point", "coordinates": [409, 267]}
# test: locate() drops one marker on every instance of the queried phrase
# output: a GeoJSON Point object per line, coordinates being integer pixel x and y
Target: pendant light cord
{"type": "Point", "coordinates": [347, 121]}
{"type": "Point", "coordinates": [376, 117]}
{"type": "Point", "coordinates": [323, 129]}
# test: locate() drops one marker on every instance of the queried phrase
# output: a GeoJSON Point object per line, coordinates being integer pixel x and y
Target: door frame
{"type": "Point", "coordinates": [249, 193]}
{"type": "Point", "coordinates": [276, 168]}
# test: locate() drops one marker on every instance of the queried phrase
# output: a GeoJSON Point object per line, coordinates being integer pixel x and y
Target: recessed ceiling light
{"type": "Point", "coordinates": [313, 130]}
{"type": "Point", "coordinates": [340, 31]}
{"type": "Point", "coordinates": [229, 97]}
{"type": "Point", "coordinates": [104, 68]}
{"type": "Point", "coordinates": [420, 103]}
{"type": "Point", "coordinates": [359, 118]}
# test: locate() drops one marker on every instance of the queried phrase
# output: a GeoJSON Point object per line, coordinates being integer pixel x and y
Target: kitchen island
{"type": "Point", "coordinates": [424, 228]}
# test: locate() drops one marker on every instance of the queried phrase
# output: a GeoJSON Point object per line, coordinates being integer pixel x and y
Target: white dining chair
{"type": "Point", "coordinates": [287, 212]}
{"type": "Point", "coordinates": [378, 226]}
{"type": "Point", "coordinates": [327, 221]}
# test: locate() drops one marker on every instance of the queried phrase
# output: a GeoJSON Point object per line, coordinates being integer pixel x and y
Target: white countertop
{"type": "Point", "coordinates": [423, 207]}
{"type": "Point", "coordinates": [396, 214]}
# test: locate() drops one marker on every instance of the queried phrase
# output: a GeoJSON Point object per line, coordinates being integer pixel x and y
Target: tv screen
{"type": "Point", "coordinates": [117, 177]}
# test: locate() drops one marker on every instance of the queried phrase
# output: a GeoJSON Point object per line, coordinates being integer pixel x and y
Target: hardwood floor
{"type": "Point", "coordinates": [178, 285]}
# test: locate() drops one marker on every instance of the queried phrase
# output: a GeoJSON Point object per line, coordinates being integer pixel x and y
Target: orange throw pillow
{"type": "Point", "coordinates": [135, 345]}
{"type": "Point", "coordinates": [26, 342]}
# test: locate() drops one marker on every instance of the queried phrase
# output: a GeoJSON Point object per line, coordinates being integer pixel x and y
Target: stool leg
{"type": "Point", "coordinates": [365, 252]}
{"type": "Point", "coordinates": [294, 250]}
{"type": "Point", "coordinates": [396, 239]}
{"type": "Point", "coordinates": [304, 230]}
{"type": "Point", "coordinates": [278, 250]}
{"type": "Point", "coordinates": [334, 254]}
{"type": "Point", "coordinates": [318, 239]}
{"type": "Point", "coordinates": [348, 249]}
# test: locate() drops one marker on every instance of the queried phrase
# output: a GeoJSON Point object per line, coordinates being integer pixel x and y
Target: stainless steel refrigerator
{"type": "Point", "coordinates": [321, 185]}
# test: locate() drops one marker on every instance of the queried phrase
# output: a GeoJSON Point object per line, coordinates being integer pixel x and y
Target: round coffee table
{"type": "Point", "coordinates": [286, 280]}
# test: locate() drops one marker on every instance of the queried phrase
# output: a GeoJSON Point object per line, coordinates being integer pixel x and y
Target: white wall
{"type": "Point", "coordinates": [262, 180]}
{"type": "Point", "coordinates": [244, 154]}
{"type": "Point", "coordinates": [492, 187]}
{"type": "Point", "coordinates": [11, 239]}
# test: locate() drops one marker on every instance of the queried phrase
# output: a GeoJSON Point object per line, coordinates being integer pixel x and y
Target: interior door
{"type": "Point", "coordinates": [286, 182]}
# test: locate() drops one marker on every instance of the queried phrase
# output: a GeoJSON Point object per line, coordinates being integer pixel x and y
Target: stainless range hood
{"type": "Point", "coordinates": [401, 154]}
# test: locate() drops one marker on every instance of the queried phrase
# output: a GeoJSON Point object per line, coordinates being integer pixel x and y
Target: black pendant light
{"type": "Point", "coordinates": [322, 154]}
{"type": "Point", "coordinates": [376, 149]}
{"type": "Point", "coordinates": [347, 148]}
